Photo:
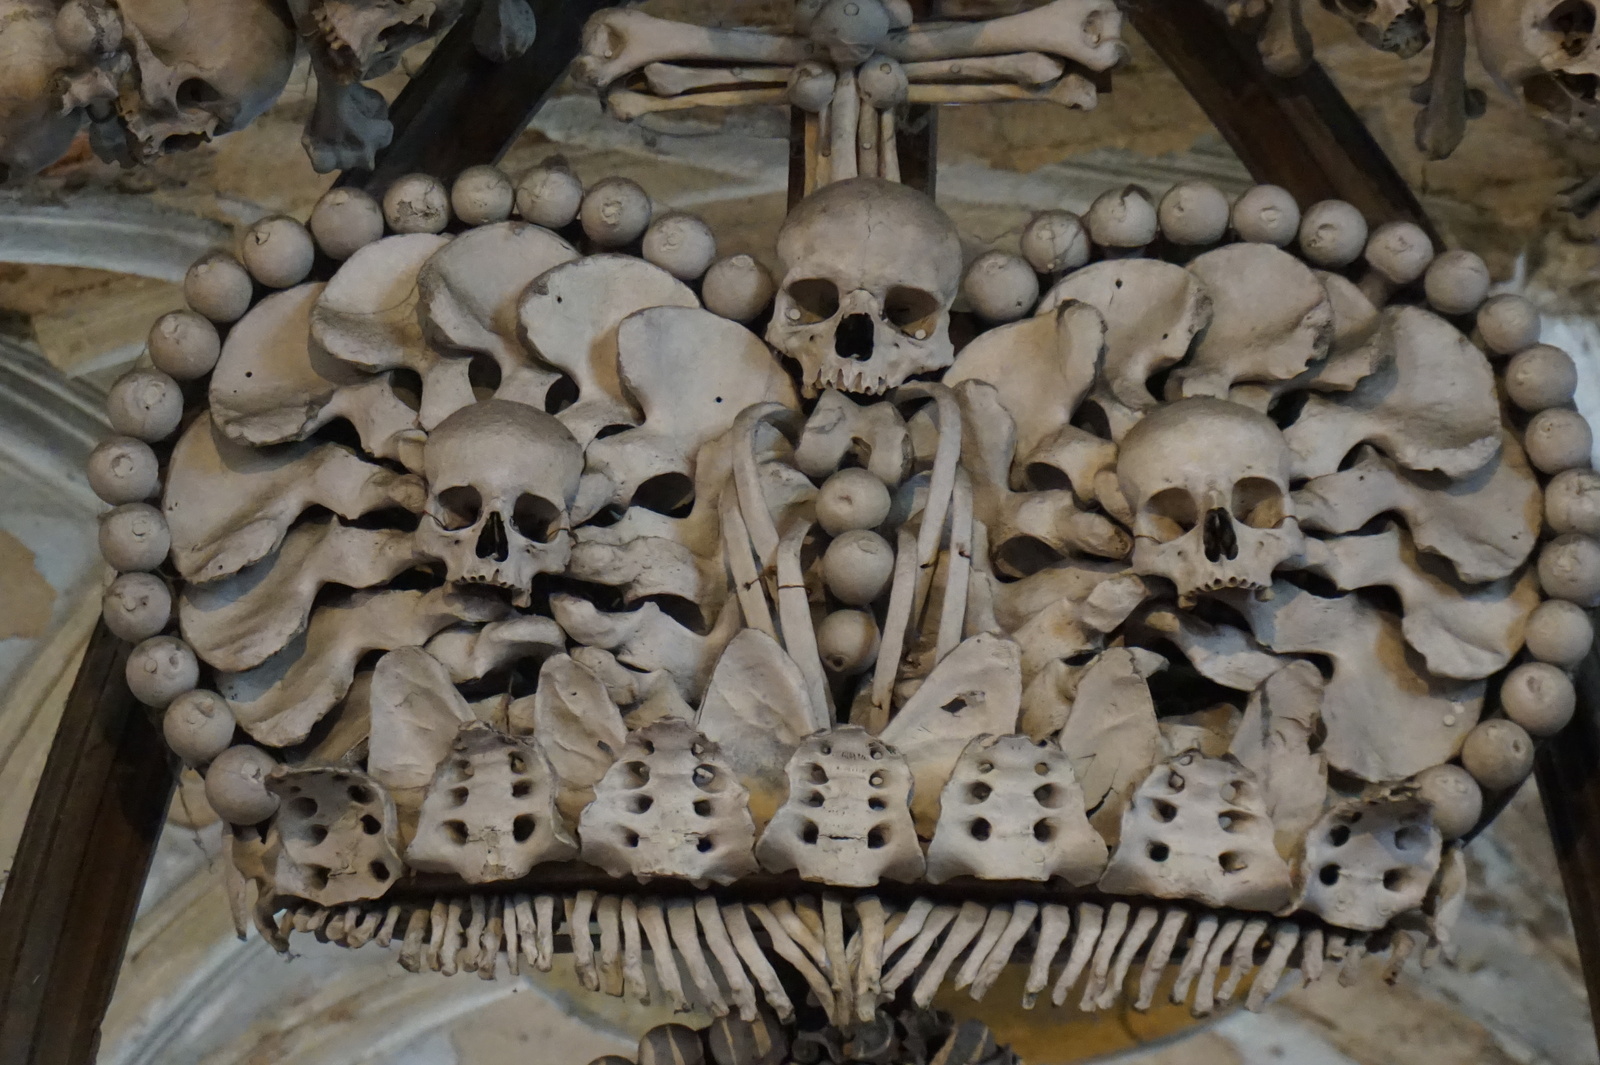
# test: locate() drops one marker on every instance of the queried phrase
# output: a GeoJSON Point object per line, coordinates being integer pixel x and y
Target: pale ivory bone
{"type": "Point", "coordinates": [1274, 741]}
{"type": "Point", "coordinates": [228, 505]}
{"type": "Point", "coordinates": [470, 652]}
{"type": "Point", "coordinates": [874, 435]}
{"type": "Point", "coordinates": [1160, 953]}
{"type": "Point", "coordinates": [1110, 733]}
{"type": "Point", "coordinates": [847, 820]}
{"type": "Point", "coordinates": [669, 806]}
{"type": "Point", "coordinates": [1058, 612]}
{"type": "Point", "coordinates": [1013, 810]}
{"type": "Point", "coordinates": [416, 713]}
{"type": "Point", "coordinates": [1090, 922]}
{"type": "Point", "coordinates": [1084, 31]}
{"type": "Point", "coordinates": [336, 838]}
{"type": "Point", "coordinates": [647, 640]}
{"type": "Point", "coordinates": [1366, 862]}
{"type": "Point", "coordinates": [1385, 720]}
{"type": "Point", "coordinates": [616, 43]}
{"type": "Point", "coordinates": [1222, 653]}
{"type": "Point", "coordinates": [574, 721]}
{"type": "Point", "coordinates": [1524, 48]}
{"type": "Point", "coordinates": [490, 813]}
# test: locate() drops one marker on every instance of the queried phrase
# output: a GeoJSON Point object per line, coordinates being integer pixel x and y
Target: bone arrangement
{"type": "Point", "coordinates": [555, 583]}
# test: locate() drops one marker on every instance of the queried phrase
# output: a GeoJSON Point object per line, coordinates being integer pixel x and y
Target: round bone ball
{"type": "Point", "coordinates": [671, 1044]}
{"type": "Point", "coordinates": [134, 537]}
{"type": "Point", "coordinates": [857, 566]}
{"type": "Point", "coordinates": [811, 86]}
{"type": "Point", "coordinates": [1193, 212]}
{"type": "Point", "coordinates": [236, 785]}
{"type": "Point", "coordinates": [137, 606]}
{"type": "Point", "coordinates": [218, 287]}
{"type": "Point", "coordinates": [1399, 252]}
{"type": "Point", "coordinates": [1001, 287]}
{"type": "Point", "coordinates": [737, 287]}
{"type": "Point", "coordinates": [481, 195]}
{"type": "Point", "coordinates": [184, 345]}
{"type": "Point", "coordinates": [1456, 282]}
{"type": "Point", "coordinates": [1557, 439]}
{"type": "Point", "coordinates": [736, 1041]}
{"type": "Point", "coordinates": [160, 669]}
{"type": "Point", "coordinates": [1572, 502]}
{"type": "Point", "coordinates": [124, 470]}
{"type": "Point", "coordinates": [146, 404]}
{"type": "Point", "coordinates": [278, 251]}
{"type": "Point", "coordinates": [1539, 697]}
{"type": "Point", "coordinates": [417, 203]}
{"type": "Point", "coordinates": [1122, 218]}
{"type": "Point", "coordinates": [1559, 632]}
{"type": "Point", "coordinates": [615, 212]}
{"type": "Point", "coordinates": [1508, 324]}
{"type": "Point", "coordinates": [1569, 568]}
{"type": "Point", "coordinates": [346, 220]}
{"type": "Point", "coordinates": [882, 82]}
{"type": "Point", "coordinates": [1541, 376]}
{"type": "Point", "coordinates": [1266, 214]}
{"type": "Point", "coordinates": [549, 196]}
{"type": "Point", "coordinates": [1055, 241]}
{"type": "Point", "coordinates": [1498, 754]}
{"type": "Point", "coordinates": [1333, 234]}
{"type": "Point", "coordinates": [852, 499]}
{"type": "Point", "coordinates": [198, 726]}
{"type": "Point", "coordinates": [847, 640]}
{"type": "Point", "coordinates": [680, 244]}
{"type": "Point", "coordinates": [1456, 799]}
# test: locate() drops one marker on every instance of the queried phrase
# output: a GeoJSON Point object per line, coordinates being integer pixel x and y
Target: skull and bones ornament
{"type": "Point", "coordinates": [501, 480]}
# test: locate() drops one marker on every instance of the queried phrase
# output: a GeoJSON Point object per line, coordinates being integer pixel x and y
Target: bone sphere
{"type": "Point", "coordinates": [671, 1044]}
{"type": "Point", "coordinates": [549, 196]}
{"type": "Point", "coordinates": [737, 287]}
{"type": "Point", "coordinates": [1266, 214]}
{"type": "Point", "coordinates": [1559, 632]}
{"type": "Point", "coordinates": [481, 195]}
{"type": "Point", "coordinates": [344, 221]}
{"type": "Point", "coordinates": [1332, 234]}
{"type": "Point", "coordinates": [680, 244]}
{"type": "Point", "coordinates": [882, 82]}
{"type": "Point", "coordinates": [278, 251]}
{"type": "Point", "coordinates": [1399, 252]}
{"type": "Point", "coordinates": [1569, 568]}
{"type": "Point", "coordinates": [1000, 287]}
{"type": "Point", "coordinates": [1558, 439]}
{"type": "Point", "coordinates": [88, 29]}
{"type": "Point", "coordinates": [198, 726]}
{"type": "Point", "coordinates": [852, 499]}
{"type": "Point", "coordinates": [1508, 323]}
{"type": "Point", "coordinates": [146, 404]}
{"type": "Point", "coordinates": [136, 606]}
{"type": "Point", "coordinates": [124, 470]}
{"type": "Point", "coordinates": [218, 287]}
{"type": "Point", "coordinates": [847, 640]}
{"type": "Point", "coordinates": [811, 86]}
{"type": "Point", "coordinates": [857, 566]}
{"type": "Point", "coordinates": [1122, 218]}
{"type": "Point", "coordinates": [1455, 796]}
{"type": "Point", "coordinates": [1539, 377]}
{"type": "Point", "coordinates": [160, 669]}
{"type": "Point", "coordinates": [615, 212]}
{"type": "Point", "coordinates": [1456, 282]}
{"type": "Point", "coordinates": [134, 537]}
{"type": "Point", "coordinates": [1193, 212]}
{"type": "Point", "coordinates": [1539, 697]}
{"type": "Point", "coordinates": [417, 203]}
{"type": "Point", "coordinates": [184, 345]}
{"type": "Point", "coordinates": [1055, 241]}
{"type": "Point", "coordinates": [1498, 754]}
{"type": "Point", "coordinates": [1572, 502]}
{"type": "Point", "coordinates": [236, 785]}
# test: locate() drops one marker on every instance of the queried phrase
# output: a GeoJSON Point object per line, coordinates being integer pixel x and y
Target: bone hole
{"type": "Point", "coordinates": [697, 749]}
{"type": "Point", "coordinates": [517, 762]}
{"type": "Point", "coordinates": [1042, 768]}
{"type": "Point", "coordinates": [457, 831]}
{"type": "Point", "coordinates": [877, 837]}
{"type": "Point", "coordinates": [360, 793]}
{"type": "Point", "coordinates": [371, 825]}
{"type": "Point", "coordinates": [704, 844]}
{"type": "Point", "coordinates": [1339, 835]}
{"type": "Point", "coordinates": [464, 767]}
{"type": "Point", "coordinates": [1573, 22]}
{"type": "Point", "coordinates": [1232, 790]}
{"type": "Point", "coordinates": [522, 827]}
{"type": "Point", "coordinates": [818, 775]}
{"type": "Point", "coordinates": [876, 803]}
{"type": "Point", "coordinates": [378, 870]}
{"type": "Point", "coordinates": [483, 375]}
{"type": "Point", "coordinates": [638, 774]}
{"type": "Point", "coordinates": [808, 833]}
{"type": "Point", "coordinates": [1408, 836]}
{"type": "Point", "coordinates": [536, 519]}
{"type": "Point", "coordinates": [1172, 512]}
{"type": "Point", "coordinates": [1258, 503]}
{"type": "Point", "coordinates": [630, 839]}
{"type": "Point", "coordinates": [980, 829]}
{"type": "Point", "coordinates": [1231, 862]}
{"type": "Point", "coordinates": [197, 93]}
{"type": "Point", "coordinates": [1043, 831]}
{"type": "Point", "coordinates": [705, 778]}
{"type": "Point", "coordinates": [1048, 796]}
{"type": "Point", "coordinates": [1329, 874]}
{"type": "Point", "coordinates": [1175, 781]}
{"type": "Point", "coordinates": [648, 745]}
{"type": "Point", "coordinates": [318, 875]}
{"type": "Point", "coordinates": [827, 749]}
{"type": "Point", "coordinates": [671, 494]}
{"type": "Point", "coordinates": [876, 779]}
{"type": "Point", "coordinates": [853, 339]}
{"type": "Point", "coordinates": [816, 297]}
{"type": "Point", "coordinates": [461, 505]}
{"type": "Point", "coordinates": [1218, 538]}
{"type": "Point", "coordinates": [1232, 820]}
{"type": "Point", "coordinates": [814, 799]}
{"type": "Point", "coordinates": [642, 803]}
{"type": "Point", "coordinates": [875, 752]}
{"type": "Point", "coordinates": [1162, 810]}
{"type": "Point", "coordinates": [315, 834]}
{"type": "Point", "coordinates": [460, 795]}
{"type": "Point", "coordinates": [1158, 852]}
{"type": "Point", "coordinates": [303, 807]}
{"type": "Point", "coordinates": [978, 791]}
{"type": "Point", "coordinates": [702, 807]}
{"type": "Point", "coordinates": [986, 767]}
{"type": "Point", "coordinates": [521, 789]}
{"type": "Point", "coordinates": [954, 706]}
{"type": "Point", "coordinates": [1395, 879]}
{"type": "Point", "coordinates": [911, 310]}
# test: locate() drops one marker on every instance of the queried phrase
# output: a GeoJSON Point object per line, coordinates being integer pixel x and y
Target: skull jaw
{"type": "Point", "coordinates": [464, 567]}
{"type": "Point", "coordinates": [894, 357]}
{"type": "Point", "coordinates": [1185, 563]}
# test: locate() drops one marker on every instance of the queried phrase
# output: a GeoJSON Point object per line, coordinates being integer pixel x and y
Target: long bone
{"type": "Point", "coordinates": [968, 923]}
{"type": "Point", "coordinates": [672, 79]}
{"type": "Point", "coordinates": [1204, 993]}
{"type": "Point", "coordinates": [897, 620]}
{"type": "Point", "coordinates": [653, 921]}
{"type": "Point", "coordinates": [1084, 31]}
{"type": "Point", "coordinates": [1242, 960]}
{"type": "Point", "coordinates": [740, 991]}
{"type": "Point", "coordinates": [1055, 921]}
{"type": "Point", "coordinates": [634, 984]}
{"type": "Point", "coordinates": [1144, 923]}
{"type": "Point", "coordinates": [1160, 953]}
{"type": "Point", "coordinates": [627, 106]}
{"type": "Point", "coordinates": [1070, 90]}
{"type": "Point", "coordinates": [1021, 921]}
{"type": "Point", "coordinates": [1205, 932]}
{"type": "Point", "coordinates": [994, 926]}
{"type": "Point", "coordinates": [744, 941]}
{"type": "Point", "coordinates": [1020, 68]}
{"type": "Point", "coordinates": [1091, 919]}
{"type": "Point", "coordinates": [938, 920]}
{"type": "Point", "coordinates": [794, 610]}
{"type": "Point", "coordinates": [1284, 938]}
{"type": "Point", "coordinates": [791, 952]}
{"type": "Point", "coordinates": [619, 42]}
{"type": "Point", "coordinates": [1111, 934]}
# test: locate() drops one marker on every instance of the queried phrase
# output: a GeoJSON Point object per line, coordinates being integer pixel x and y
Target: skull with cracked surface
{"type": "Point", "coordinates": [870, 271]}
{"type": "Point", "coordinates": [1545, 52]}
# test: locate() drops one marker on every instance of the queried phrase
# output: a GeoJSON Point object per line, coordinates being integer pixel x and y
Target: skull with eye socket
{"type": "Point", "coordinates": [870, 271]}
{"type": "Point", "coordinates": [1208, 481]}
{"type": "Point", "coordinates": [501, 481]}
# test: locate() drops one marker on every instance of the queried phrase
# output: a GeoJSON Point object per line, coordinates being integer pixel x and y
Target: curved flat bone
{"type": "Point", "coordinates": [634, 984]}
{"type": "Point", "coordinates": [1144, 922]}
{"type": "Point", "coordinates": [1064, 610]}
{"type": "Point", "coordinates": [1284, 939]}
{"type": "Point", "coordinates": [761, 970]}
{"type": "Point", "coordinates": [617, 43]}
{"type": "Point", "coordinates": [1111, 935]}
{"type": "Point", "coordinates": [1274, 741]}
{"type": "Point", "coordinates": [272, 385]}
{"type": "Point", "coordinates": [1155, 962]}
{"type": "Point", "coordinates": [875, 434]}
{"type": "Point", "coordinates": [1447, 898]}
{"type": "Point", "coordinates": [740, 991]}
{"type": "Point", "coordinates": [1055, 920]}
{"type": "Point", "coordinates": [1084, 31]}
{"type": "Point", "coordinates": [897, 620]}
{"type": "Point", "coordinates": [794, 615]}
{"type": "Point", "coordinates": [1204, 994]}
{"type": "Point", "coordinates": [1430, 404]}
{"type": "Point", "coordinates": [576, 724]}
{"type": "Point", "coordinates": [1082, 458]}
{"type": "Point", "coordinates": [237, 622]}
{"type": "Point", "coordinates": [968, 923]}
{"type": "Point", "coordinates": [686, 938]}
{"type": "Point", "coordinates": [802, 932]}
{"type": "Point", "coordinates": [938, 920]}
{"type": "Point", "coordinates": [790, 952]}
{"type": "Point", "coordinates": [1111, 736]}
{"type": "Point", "coordinates": [1205, 930]}
{"type": "Point", "coordinates": [1091, 919]}
{"type": "Point", "coordinates": [228, 505]}
{"type": "Point", "coordinates": [993, 927]}
{"type": "Point", "coordinates": [1243, 958]}
{"type": "Point", "coordinates": [470, 653]}
{"type": "Point", "coordinates": [654, 923]}
{"type": "Point", "coordinates": [942, 486]}
{"type": "Point", "coordinates": [416, 714]}
{"type": "Point", "coordinates": [1221, 653]}
{"type": "Point", "coordinates": [647, 640]}
{"type": "Point", "coordinates": [1023, 913]}
{"type": "Point", "coordinates": [1385, 719]}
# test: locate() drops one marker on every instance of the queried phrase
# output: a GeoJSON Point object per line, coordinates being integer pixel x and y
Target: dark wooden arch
{"type": "Point", "coordinates": [74, 886]}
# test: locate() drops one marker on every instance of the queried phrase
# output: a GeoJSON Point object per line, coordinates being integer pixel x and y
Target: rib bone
{"type": "Point", "coordinates": [1054, 923]}
{"type": "Point", "coordinates": [1022, 916]}
{"type": "Point", "coordinates": [1090, 920]}
{"type": "Point", "coordinates": [1155, 962]}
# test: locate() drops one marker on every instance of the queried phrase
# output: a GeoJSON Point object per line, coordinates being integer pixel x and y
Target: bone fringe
{"type": "Point", "coordinates": [686, 937]}
{"type": "Point", "coordinates": [994, 925]}
{"type": "Point", "coordinates": [717, 939]}
{"type": "Point", "coordinates": [1205, 931]}
{"type": "Point", "coordinates": [1243, 958]}
{"type": "Point", "coordinates": [634, 984]}
{"type": "Point", "coordinates": [1143, 924]}
{"type": "Point", "coordinates": [963, 930]}
{"type": "Point", "coordinates": [654, 923]}
{"type": "Point", "coordinates": [761, 970]}
{"type": "Point", "coordinates": [1205, 993]}
{"type": "Point", "coordinates": [1155, 962]}
{"type": "Point", "coordinates": [1091, 918]}
{"type": "Point", "coordinates": [580, 909]}
{"type": "Point", "coordinates": [939, 918]}
{"type": "Point", "coordinates": [1284, 939]}
{"type": "Point", "coordinates": [1022, 917]}
{"type": "Point", "coordinates": [1054, 922]}
{"type": "Point", "coordinates": [793, 953]}
{"type": "Point", "coordinates": [608, 912]}
{"type": "Point", "coordinates": [1116, 926]}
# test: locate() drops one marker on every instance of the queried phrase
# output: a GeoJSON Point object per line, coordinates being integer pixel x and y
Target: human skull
{"type": "Point", "coordinates": [870, 271]}
{"type": "Point", "coordinates": [1545, 52]}
{"type": "Point", "coordinates": [1208, 481]}
{"type": "Point", "coordinates": [365, 38]}
{"type": "Point", "coordinates": [501, 479]}
{"type": "Point", "coordinates": [1397, 26]}
{"type": "Point", "coordinates": [34, 131]}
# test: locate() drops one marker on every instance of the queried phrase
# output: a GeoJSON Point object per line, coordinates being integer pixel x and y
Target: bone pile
{"type": "Point", "coordinates": [508, 575]}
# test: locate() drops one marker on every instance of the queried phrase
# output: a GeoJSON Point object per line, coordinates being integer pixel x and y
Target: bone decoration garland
{"type": "Point", "coordinates": [505, 584]}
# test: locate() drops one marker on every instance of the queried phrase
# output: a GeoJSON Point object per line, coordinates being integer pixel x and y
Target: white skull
{"type": "Point", "coordinates": [870, 271]}
{"type": "Point", "coordinates": [1397, 26]}
{"type": "Point", "coordinates": [1208, 481]}
{"type": "Point", "coordinates": [33, 130]}
{"type": "Point", "coordinates": [1546, 53]}
{"type": "Point", "coordinates": [501, 480]}
{"type": "Point", "coordinates": [365, 38]}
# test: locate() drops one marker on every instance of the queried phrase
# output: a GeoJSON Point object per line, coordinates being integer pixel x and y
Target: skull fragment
{"type": "Point", "coordinates": [1547, 53]}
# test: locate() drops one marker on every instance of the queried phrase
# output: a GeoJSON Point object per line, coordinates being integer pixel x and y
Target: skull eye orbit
{"type": "Point", "coordinates": [1258, 503]}
{"type": "Point", "coordinates": [911, 310]}
{"type": "Point", "coordinates": [536, 519]}
{"type": "Point", "coordinates": [461, 506]}
{"type": "Point", "coordinates": [816, 298]}
{"type": "Point", "coordinates": [1573, 21]}
{"type": "Point", "coordinates": [1172, 513]}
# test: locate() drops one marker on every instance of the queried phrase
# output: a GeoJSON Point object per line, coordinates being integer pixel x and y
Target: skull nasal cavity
{"type": "Point", "coordinates": [492, 541]}
{"type": "Point", "coordinates": [854, 338]}
{"type": "Point", "coordinates": [1220, 541]}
